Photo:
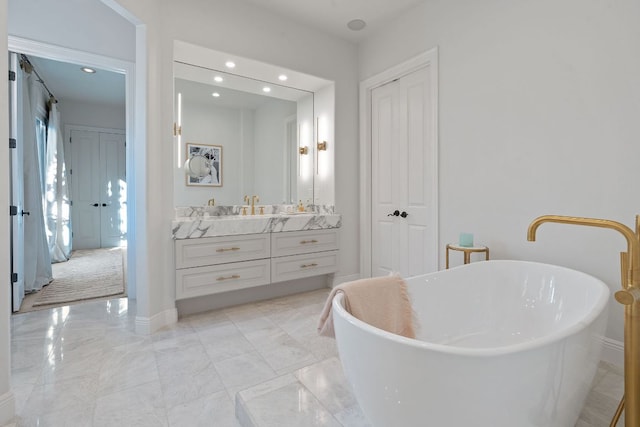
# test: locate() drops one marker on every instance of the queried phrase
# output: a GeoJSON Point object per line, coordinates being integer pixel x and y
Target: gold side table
{"type": "Point", "coordinates": [468, 250]}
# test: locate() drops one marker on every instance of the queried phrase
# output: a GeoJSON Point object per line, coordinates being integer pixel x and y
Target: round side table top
{"type": "Point", "coordinates": [457, 247]}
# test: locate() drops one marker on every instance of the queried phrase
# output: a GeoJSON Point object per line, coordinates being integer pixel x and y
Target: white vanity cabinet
{"type": "Point", "coordinates": [211, 265]}
{"type": "Point", "coordinates": [299, 254]}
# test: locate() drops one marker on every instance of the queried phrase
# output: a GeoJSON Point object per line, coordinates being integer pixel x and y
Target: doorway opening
{"type": "Point", "coordinates": [97, 162]}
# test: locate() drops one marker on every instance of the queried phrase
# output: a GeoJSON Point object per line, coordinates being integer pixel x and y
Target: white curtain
{"type": "Point", "coordinates": [56, 191]}
{"type": "Point", "coordinates": [37, 263]}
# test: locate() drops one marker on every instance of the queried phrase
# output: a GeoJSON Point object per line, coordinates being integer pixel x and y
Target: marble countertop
{"type": "Point", "coordinates": [194, 227]}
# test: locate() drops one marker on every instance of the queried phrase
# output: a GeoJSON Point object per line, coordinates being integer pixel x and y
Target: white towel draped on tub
{"type": "Point", "coordinates": [382, 302]}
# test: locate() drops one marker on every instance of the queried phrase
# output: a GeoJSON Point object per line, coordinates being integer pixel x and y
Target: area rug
{"type": "Point", "coordinates": [89, 273]}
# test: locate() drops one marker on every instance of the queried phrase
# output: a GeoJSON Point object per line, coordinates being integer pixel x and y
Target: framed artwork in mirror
{"type": "Point", "coordinates": [207, 171]}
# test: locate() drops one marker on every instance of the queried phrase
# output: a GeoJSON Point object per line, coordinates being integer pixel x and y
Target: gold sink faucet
{"type": "Point", "coordinates": [252, 201]}
{"type": "Point", "coordinates": [629, 296]}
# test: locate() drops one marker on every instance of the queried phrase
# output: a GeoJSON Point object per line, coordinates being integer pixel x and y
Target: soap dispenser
{"type": "Point", "coordinates": [300, 206]}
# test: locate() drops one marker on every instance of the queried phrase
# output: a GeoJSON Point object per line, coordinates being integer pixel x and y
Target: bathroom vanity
{"type": "Point", "coordinates": [216, 254]}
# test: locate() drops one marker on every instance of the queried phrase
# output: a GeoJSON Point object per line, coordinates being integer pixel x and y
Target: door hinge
{"type": "Point", "coordinates": [70, 202]}
{"type": "Point", "coordinates": [70, 171]}
{"type": "Point", "coordinates": [12, 76]}
{"type": "Point", "coordinates": [13, 210]}
{"type": "Point", "coordinates": [14, 277]}
{"type": "Point", "coordinates": [13, 143]}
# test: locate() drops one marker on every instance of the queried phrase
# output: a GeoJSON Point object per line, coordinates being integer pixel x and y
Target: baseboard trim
{"type": "Point", "coordinates": [342, 279]}
{"type": "Point", "coordinates": [148, 325]}
{"type": "Point", "coordinates": [613, 352]}
{"type": "Point", "coordinates": [7, 408]}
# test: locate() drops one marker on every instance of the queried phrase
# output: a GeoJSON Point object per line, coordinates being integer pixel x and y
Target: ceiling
{"type": "Point", "coordinates": [332, 16]}
{"type": "Point", "coordinates": [67, 82]}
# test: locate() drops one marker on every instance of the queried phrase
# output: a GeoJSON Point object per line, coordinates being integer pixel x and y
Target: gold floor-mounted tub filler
{"type": "Point", "coordinates": [629, 296]}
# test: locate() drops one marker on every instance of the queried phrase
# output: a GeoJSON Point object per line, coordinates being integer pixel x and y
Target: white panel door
{"type": "Point", "coordinates": [85, 179]}
{"type": "Point", "coordinates": [99, 189]}
{"type": "Point", "coordinates": [385, 250]}
{"type": "Point", "coordinates": [403, 181]}
{"type": "Point", "coordinates": [113, 190]}
{"type": "Point", "coordinates": [17, 190]}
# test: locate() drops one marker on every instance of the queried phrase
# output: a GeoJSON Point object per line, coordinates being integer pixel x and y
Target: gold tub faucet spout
{"type": "Point", "coordinates": [629, 296]}
{"type": "Point", "coordinates": [633, 241]}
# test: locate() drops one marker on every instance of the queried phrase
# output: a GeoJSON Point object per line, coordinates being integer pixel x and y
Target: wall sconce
{"type": "Point", "coordinates": [322, 146]}
{"type": "Point", "coordinates": [304, 150]}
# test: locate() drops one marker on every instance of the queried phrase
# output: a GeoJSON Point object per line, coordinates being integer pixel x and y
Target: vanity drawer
{"type": "Point", "coordinates": [218, 250]}
{"type": "Point", "coordinates": [303, 242]}
{"type": "Point", "coordinates": [197, 281]}
{"type": "Point", "coordinates": [307, 265]}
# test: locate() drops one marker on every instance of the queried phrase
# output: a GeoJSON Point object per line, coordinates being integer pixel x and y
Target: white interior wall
{"type": "Point", "coordinates": [538, 115]}
{"type": "Point", "coordinates": [270, 153]}
{"type": "Point", "coordinates": [88, 26]}
{"type": "Point", "coordinates": [73, 112]}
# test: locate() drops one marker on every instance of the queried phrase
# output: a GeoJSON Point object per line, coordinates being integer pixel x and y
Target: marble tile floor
{"type": "Point", "coordinates": [255, 365]}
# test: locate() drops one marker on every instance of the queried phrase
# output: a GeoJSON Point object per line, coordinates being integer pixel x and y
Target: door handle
{"type": "Point", "coordinates": [395, 213]}
{"type": "Point", "coordinates": [95, 205]}
{"type": "Point", "coordinates": [23, 213]}
{"type": "Point", "coordinates": [404, 214]}
{"type": "Point", "coordinates": [104, 204]}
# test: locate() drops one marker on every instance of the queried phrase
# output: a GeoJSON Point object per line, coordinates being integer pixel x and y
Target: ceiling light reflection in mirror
{"type": "Point", "coordinates": [263, 156]}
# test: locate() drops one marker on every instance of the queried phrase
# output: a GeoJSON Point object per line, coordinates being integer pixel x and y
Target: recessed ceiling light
{"type": "Point", "coordinates": [215, 94]}
{"type": "Point", "coordinates": [282, 77]}
{"type": "Point", "coordinates": [230, 64]}
{"type": "Point", "coordinates": [88, 70]}
{"type": "Point", "coordinates": [266, 89]}
{"type": "Point", "coordinates": [218, 79]}
{"type": "Point", "coordinates": [356, 24]}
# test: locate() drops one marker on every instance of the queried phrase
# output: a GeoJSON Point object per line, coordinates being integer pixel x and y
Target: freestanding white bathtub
{"type": "Point", "coordinates": [499, 344]}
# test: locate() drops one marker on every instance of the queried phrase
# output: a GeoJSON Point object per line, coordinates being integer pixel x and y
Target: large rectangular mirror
{"type": "Point", "coordinates": [258, 137]}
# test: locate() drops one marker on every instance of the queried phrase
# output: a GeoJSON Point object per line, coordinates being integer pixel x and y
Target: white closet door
{"type": "Point", "coordinates": [403, 181]}
{"type": "Point", "coordinates": [99, 189]}
{"type": "Point", "coordinates": [85, 178]}
{"type": "Point", "coordinates": [385, 250]}
{"type": "Point", "coordinates": [113, 190]}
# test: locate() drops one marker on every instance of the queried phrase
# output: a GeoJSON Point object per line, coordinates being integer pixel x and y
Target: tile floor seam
{"type": "Point", "coordinates": [215, 368]}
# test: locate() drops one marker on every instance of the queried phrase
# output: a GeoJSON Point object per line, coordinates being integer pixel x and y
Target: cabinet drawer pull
{"type": "Point", "coordinates": [235, 276]}
{"type": "Point", "coordinates": [304, 242]}
{"type": "Point", "coordinates": [309, 265]}
{"type": "Point", "coordinates": [227, 249]}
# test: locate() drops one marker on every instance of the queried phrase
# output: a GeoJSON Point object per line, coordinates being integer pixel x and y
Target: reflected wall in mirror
{"type": "Point", "coordinates": [262, 132]}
